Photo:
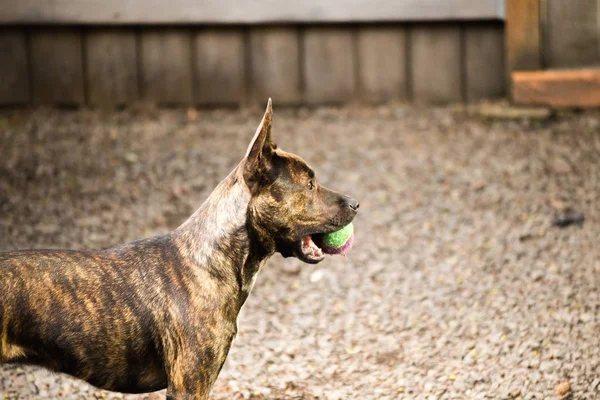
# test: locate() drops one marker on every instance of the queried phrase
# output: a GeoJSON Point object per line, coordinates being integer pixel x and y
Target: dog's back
{"type": "Point", "coordinates": [94, 315]}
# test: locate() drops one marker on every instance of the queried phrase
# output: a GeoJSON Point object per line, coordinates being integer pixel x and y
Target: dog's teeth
{"type": "Point", "coordinates": [310, 248]}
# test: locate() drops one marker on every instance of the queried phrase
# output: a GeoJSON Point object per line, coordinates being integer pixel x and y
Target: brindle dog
{"type": "Point", "coordinates": [162, 312]}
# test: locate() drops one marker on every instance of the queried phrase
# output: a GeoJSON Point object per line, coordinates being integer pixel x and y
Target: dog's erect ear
{"type": "Point", "coordinates": [258, 155]}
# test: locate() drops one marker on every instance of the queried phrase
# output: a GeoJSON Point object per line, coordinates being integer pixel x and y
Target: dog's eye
{"type": "Point", "coordinates": [311, 185]}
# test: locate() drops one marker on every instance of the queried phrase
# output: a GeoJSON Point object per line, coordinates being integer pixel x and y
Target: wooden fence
{"type": "Point", "coordinates": [553, 34]}
{"type": "Point", "coordinates": [75, 52]}
{"type": "Point", "coordinates": [544, 38]}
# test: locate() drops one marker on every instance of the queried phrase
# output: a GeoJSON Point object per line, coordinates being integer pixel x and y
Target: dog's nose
{"type": "Point", "coordinates": [352, 203]}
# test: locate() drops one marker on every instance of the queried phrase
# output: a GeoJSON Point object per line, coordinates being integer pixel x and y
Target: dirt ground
{"type": "Point", "coordinates": [458, 287]}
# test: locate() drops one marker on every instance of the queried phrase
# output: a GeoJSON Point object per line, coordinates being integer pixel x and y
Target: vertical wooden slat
{"type": "Point", "coordinates": [57, 66]}
{"type": "Point", "coordinates": [275, 65]}
{"type": "Point", "coordinates": [166, 66]}
{"type": "Point", "coordinates": [329, 65]}
{"type": "Point", "coordinates": [219, 66]}
{"type": "Point", "coordinates": [382, 63]}
{"type": "Point", "coordinates": [111, 59]}
{"type": "Point", "coordinates": [572, 33]}
{"type": "Point", "coordinates": [436, 63]}
{"type": "Point", "coordinates": [14, 79]}
{"type": "Point", "coordinates": [522, 32]}
{"type": "Point", "coordinates": [484, 52]}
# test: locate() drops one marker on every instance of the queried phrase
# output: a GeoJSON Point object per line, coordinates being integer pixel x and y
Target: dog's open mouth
{"type": "Point", "coordinates": [313, 248]}
{"type": "Point", "coordinates": [310, 252]}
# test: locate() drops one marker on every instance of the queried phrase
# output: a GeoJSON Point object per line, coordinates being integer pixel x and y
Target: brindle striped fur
{"type": "Point", "coordinates": [162, 312]}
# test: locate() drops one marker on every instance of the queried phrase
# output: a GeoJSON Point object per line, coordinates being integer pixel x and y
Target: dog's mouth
{"type": "Point", "coordinates": [309, 251]}
{"type": "Point", "coordinates": [313, 250]}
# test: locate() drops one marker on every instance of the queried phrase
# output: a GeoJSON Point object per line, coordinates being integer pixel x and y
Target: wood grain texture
{"type": "Point", "coordinates": [579, 88]}
{"type": "Point", "coordinates": [382, 63]}
{"type": "Point", "coordinates": [57, 66]}
{"type": "Point", "coordinates": [14, 78]}
{"type": "Point", "coordinates": [329, 65]}
{"type": "Point", "coordinates": [275, 65]}
{"type": "Point", "coordinates": [522, 35]}
{"type": "Point", "coordinates": [246, 12]}
{"type": "Point", "coordinates": [166, 66]}
{"type": "Point", "coordinates": [572, 33]}
{"type": "Point", "coordinates": [436, 63]}
{"type": "Point", "coordinates": [484, 61]}
{"type": "Point", "coordinates": [219, 66]}
{"type": "Point", "coordinates": [112, 69]}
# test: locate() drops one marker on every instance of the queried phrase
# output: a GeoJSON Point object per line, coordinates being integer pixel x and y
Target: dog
{"type": "Point", "coordinates": [162, 312]}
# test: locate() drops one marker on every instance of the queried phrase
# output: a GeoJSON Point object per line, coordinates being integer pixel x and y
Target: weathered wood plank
{"type": "Point", "coordinates": [382, 63]}
{"type": "Point", "coordinates": [219, 67]}
{"type": "Point", "coordinates": [579, 88]}
{"type": "Point", "coordinates": [57, 66]}
{"type": "Point", "coordinates": [112, 70]}
{"type": "Point", "coordinates": [166, 66]}
{"type": "Point", "coordinates": [275, 65]}
{"type": "Point", "coordinates": [522, 35]}
{"type": "Point", "coordinates": [436, 63]}
{"type": "Point", "coordinates": [14, 79]}
{"type": "Point", "coordinates": [328, 65]}
{"type": "Point", "coordinates": [484, 63]}
{"type": "Point", "coordinates": [246, 12]}
{"type": "Point", "coordinates": [572, 33]}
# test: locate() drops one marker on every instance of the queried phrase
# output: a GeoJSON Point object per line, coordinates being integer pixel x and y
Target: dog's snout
{"type": "Point", "coordinates": [351, 203]}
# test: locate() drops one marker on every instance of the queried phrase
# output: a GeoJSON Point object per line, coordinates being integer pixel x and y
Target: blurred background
{"type": "Point", "coordinates": [468, 130]}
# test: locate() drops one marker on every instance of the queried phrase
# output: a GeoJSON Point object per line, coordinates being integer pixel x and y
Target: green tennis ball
{"type": "Point", "coordinates": [339, 238]}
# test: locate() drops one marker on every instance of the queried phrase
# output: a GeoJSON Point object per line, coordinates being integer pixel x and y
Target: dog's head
{"type": "Point", "coordinates": [288, 206]}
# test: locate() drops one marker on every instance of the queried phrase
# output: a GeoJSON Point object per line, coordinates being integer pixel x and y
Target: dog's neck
{"type": "Point", "coordinates": [218, 239]}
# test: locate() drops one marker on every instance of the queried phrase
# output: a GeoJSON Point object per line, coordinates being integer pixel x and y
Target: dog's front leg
{"type": "Point", "coordinates": [194, 371]}
{"type": "Point", "coordinates": [191, 376]}
{"type": "Point", "coordinates": [186, 384]}
{"type": "Point", "coordinates": [176, 395]}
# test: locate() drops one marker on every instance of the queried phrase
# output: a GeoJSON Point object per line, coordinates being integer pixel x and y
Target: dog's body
{"type": "Point", "coordinates": [162, 312]}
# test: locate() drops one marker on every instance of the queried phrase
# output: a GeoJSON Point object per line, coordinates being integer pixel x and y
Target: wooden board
{"type": "Point", "coordinates": [522, 35]}
{"type": "Point", "coordinates": [329, 65]}
{"type": "Point", "coordinates": [484, 61]}
{"type": "Point", "coordinates": [219, 67]}
{"type": "Point", "coordinates": [275, 65]}
{"type": "Point", "coordinates": [382, 63]}
{"type": "Point", "coordinates": [14, 78]}
{"type": "Point", "coordinates": [242, 12]}
{"type": "Point", "coordinates": [578, 88]}
{"type": "Point", "coordinates": [166, 66]}
{"type": "Point", "coordinates": [436, 63]}
{"type": "Point", "coordinates": [112, 69]}
{"type": "Point", "coordinates": [57, 66]}
{"type": "Point", "coordinates": [572, 33]}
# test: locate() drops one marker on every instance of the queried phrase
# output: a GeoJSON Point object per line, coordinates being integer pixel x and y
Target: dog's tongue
{"type": "Point", "coordinates": [342, 250]}
{"type": "Point", "coordinates": [306, 241]}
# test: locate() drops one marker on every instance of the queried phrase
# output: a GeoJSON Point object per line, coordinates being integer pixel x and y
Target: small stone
{"type": "Point", "coordinates": [560, 166]}
{"type": "Point", "coordinates": [569, 217]}
{"type": "Point", "coordinates": [191, 114]}
{"type": "Point", "coordinates": [316, 276]}
{"type": "Point", "coordinates": [563, 388]}
{"type": "Point", "coordinates": [558, 205]}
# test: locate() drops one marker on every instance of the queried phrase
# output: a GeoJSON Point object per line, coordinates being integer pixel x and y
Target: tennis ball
{"type": "Point", "coordinates": [339, 242]}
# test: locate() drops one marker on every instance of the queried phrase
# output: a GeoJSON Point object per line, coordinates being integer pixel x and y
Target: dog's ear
{"type": "Point", "coordinates": [259, 153]}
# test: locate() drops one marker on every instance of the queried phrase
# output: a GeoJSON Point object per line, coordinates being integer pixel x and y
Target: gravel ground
{"type": "Point", "coordinates": [459, 286]}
